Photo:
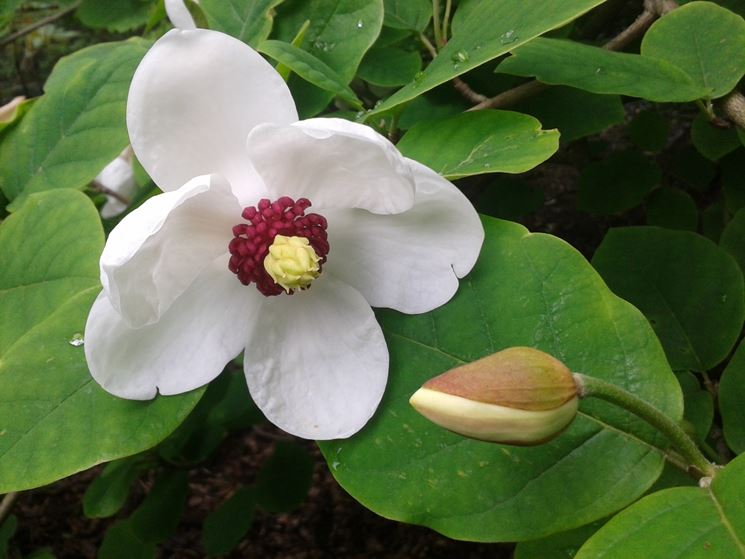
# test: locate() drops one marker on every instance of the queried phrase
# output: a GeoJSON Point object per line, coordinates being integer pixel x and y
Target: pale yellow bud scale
{"type": "Point", "coordinates": [291, 262]}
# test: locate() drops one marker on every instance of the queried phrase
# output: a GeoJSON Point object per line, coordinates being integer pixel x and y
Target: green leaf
{"type": "Point", "coordinates": [617, 183]}
{"type": "Point", "coordinates": [339, 35]}
{"type": "Point", "coordinates": [411, 15]}
{"type": "Point", "coordinates": [309, 68]}
{"type": "Point", "coordinates": [731, 397]}
{"type": "Point", "coordinates": [284, 480]}
{"type": "Point", "coordinates": [671, 208]}
{"type": "Point", "coordinates": [108, 493]}
{"type": "Point", "coordinates": [712, 142]}
{"type": "Point", "coordinates": [55, 419]}
{"type": "Point", "coordinates": [7, 531]}
{"type": "Point", "coordinates": [526, 289]}
{"type": "Point", "coordinates": [114, 15]}
{"type": "Point", "coordinates": [77, 127]}
{"type": "Point", "coordinates": [389, 66]}
{"type": "Point", "coordinates": [649, 130]}
{"type": "Point", "coordinates": [692, 168]}
{"type": "Point", "coordinates": [248, 20]}
{"type": "Point", "coordinates": [480, 142]}
{"type": "Point", "coordinates": [690, 290]}
{"type": "Point", "coordinates": [678, 523]}
{"type": "Point", "coordinates": [563, 545]}
{"type": "Point", "coordinates": [120, 542]}
{"type": "Point", "coordinates": [598, 70]}
{"type": "Point", "coordinates": [713, 220]}
{"type": "Point", "coordinates": [156, 519]}
{"type": "Point", "coordinates": [574, 112]}
{"type": "Point", "coordinates": [732, 168]}
{"type": "Point", "coordinates": [225, 527]}
{"type": "Point", "coordinates": [733, 238]}
{"type": "Point", "coordinates": [697, 403]}
{"type": "Point", "coordinates": [483, 30]}
{"type": "Point", "coordinates": [705, 41]}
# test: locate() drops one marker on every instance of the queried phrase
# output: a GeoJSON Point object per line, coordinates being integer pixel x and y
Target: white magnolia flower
{"type": "Point", "coordinates": [118, 180]}
{"type": "Point", "coordinates": [233, 256]}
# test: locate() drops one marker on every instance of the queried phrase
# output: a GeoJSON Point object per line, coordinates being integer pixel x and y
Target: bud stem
{"type": "Point", "coordinates": [594, 387]}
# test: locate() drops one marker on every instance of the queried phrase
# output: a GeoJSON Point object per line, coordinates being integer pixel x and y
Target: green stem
{"type": "Point", "coordinates": [436, 22]}
{"type": "Point", "coordinates": [594, 387]}
{"type": "Point", "coordinates": [446, 20]}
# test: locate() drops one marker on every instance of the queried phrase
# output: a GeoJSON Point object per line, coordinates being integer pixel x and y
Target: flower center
{"type": "Point", "coordinates": [280, 249]}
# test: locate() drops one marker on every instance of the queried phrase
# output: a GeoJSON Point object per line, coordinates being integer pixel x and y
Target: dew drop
{"type": "Point", "coordinates": [600, 70]}
{"type": "Point", "coordinates": [360, 24]}
{"type": "Point", "coordinates": [724, 298]}
{"type": "Point", "coordinates": [460, 56]}
{"type": "Point", "coordinates": [508, 37]}
{"type": "Point", "coordinates": [335, 465]}
{"type": "Point", "coordinates": [76, 340]}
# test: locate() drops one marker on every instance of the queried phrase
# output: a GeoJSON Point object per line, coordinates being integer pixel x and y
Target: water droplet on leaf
{"type": "Point", "coordinates": [600, 70]}
{"type": "Point", "coordinates": [508, 37]}
{"type": "Point", "coordinates": [460, 56]}
{"type": "Point", "coordinates": [76, 340]}
{"type": "Point", "coordinates": [360, 24]}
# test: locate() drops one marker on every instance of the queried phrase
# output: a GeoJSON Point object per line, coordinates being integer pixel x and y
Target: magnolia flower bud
{"type": "Point", "coordinates": [518, 396]}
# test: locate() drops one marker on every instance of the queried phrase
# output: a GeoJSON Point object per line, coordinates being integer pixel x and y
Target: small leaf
{"type": "Point", "coordinates": [698, 404]}
{"type": "Point", "coordinates": [617, 183]}
{"type": "Point", "coordinates": [483, 30]}
{"type": "Point", "coordinates": [249, 21]}
{"type": "Point", "coordinates": [389, 66]}
{"type": "Point", "coordinates": [156, 519]}
{"type": "Point", "coordinates": [120, 542]}
{"type": "Point", "coordinates": [480, 142]}
{"type": "Point", "coordinates": [284, 480]}
{"type": "Point", "coordinates": [563, 545]}
{"type": "Point", "coordinates": [690, 290]}
{"type": "Point", "coordinates": [678, 523]}
{"type": "Point", "coordinates": [114, 15]}
{"type": "Point", "coordinates": [508, 198]}
{"type": "Point", "coordinates": [225, 527]}
{"type": "Point", "coordinates": [671, 208]}
{"type": "Point", "coordinates": [309, 68]}
{"type": "Point", "coordinates": [731, 397]}
{"type": "Point", "coordinates": [574, 112]}
{"type": "Point", "coordinates": [705, 41]}
{"type": "Point", "coordinates": [732, 168]}
{"type": "Point", "coordinates": [712, 142]}
{"type": "Point", "coordinates": [692, 168]}
{"type": "Point", "coordinates": [733, 238]}
{"type": "Point", "coordinates": [108, 493]}
{"type": "Point", "coordinates": [598, 70]}
{"type": "Point", "coordinates": [411, 15]}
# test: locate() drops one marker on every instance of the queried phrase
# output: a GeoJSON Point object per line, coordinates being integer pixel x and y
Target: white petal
{"type": "Point", "coordinates": [117, 177]}
{"type": "Point", "coordinates": [316, 362]}
{"type": "Point", "coordinates": [158, 250]}
{"type": "Point", "coordinates": [193, 100]}
{"type": "Point", "coordinates": [189, 346]}
{"type": "Point", "coordinates": [334, 163]}
{"type": "Point", "coordinates": [411, 261]}
{"type": "Point", "coordinates": [179, 14]}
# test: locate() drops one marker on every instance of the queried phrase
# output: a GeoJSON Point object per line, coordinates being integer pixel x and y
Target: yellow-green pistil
{"type": "Point", "coordinates": [292, 263]}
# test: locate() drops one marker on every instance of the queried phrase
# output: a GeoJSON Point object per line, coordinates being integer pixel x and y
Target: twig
{"type": "Point", "coordinates": [652, 10]}
{"type": "Point", "coordinates": [6, 505]}
{"type": "Point", "coordinates": [41, 23]}
{"type": "Point", "coordinates": [465, 90]}
{"type": "Point", "coordinates": [428, 45]}
{"type": "Point", "coordinates": [98, 187]}
{"type": "Point", "coordinates": [734, 108]}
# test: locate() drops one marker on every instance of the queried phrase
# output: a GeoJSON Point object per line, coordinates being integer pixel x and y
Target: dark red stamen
{"type": "Point", "coordinates": [266, 220]}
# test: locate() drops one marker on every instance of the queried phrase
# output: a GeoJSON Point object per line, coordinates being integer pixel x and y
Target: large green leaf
{"type": "Point", "coordinates": [340, 33]}
{"type": "Point", "coordinates": [678, 523]}
{"type": "Point", "coordinates": [54, 418]}
{"type": "Point", "coordinates": [482, 30]}
{"type": "Point", "coordinates": [248, 20]}
{"type": "Point", "coordinates": [690, 290]}
{"type": "Point", "coordinates": [594, 69]}
{"type": "Point", "coordinates": [77, 127]}
{"type": "Point", "coordinates": [527, 289]}
{"type": "Point", "coordinates": [705, 41]}
{"type": "Point", "coordinates": [480, 142]}
{"type": "Point", "coordinates": [731, 398]}
{"type": "Point", "coordinates": [309, 68]}
{"type": "Point", "coordinates": [412, 15]}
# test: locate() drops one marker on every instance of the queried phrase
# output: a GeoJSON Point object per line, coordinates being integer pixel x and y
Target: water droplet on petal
{"type": "Point", "coordinates": [508, 37]}
{"type": "Point", "coordinates": [76, 340]}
